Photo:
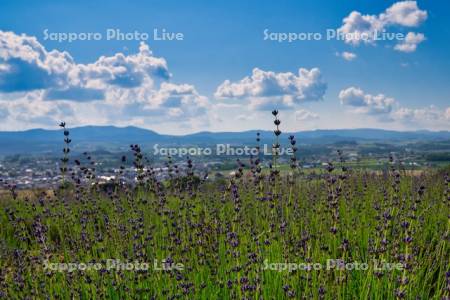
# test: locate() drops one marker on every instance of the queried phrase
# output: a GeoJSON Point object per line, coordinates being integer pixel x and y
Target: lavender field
{"type": "Point", "coordinates": [257, 234]}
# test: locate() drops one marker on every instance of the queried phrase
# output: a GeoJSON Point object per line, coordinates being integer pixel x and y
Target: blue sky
{"type": "Point", "coordinates": [344, 84]}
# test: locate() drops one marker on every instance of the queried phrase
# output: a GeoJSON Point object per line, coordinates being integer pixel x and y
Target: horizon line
{"type": "Point", "coordinates": [225, 131]}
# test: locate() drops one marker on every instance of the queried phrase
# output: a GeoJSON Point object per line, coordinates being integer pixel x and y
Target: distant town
{"type": "Point", "coordinates": [43, 170]}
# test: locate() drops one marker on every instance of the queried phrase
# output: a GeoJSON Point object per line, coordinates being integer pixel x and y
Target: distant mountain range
{"type": "Point", "coordinates": [112, 138]}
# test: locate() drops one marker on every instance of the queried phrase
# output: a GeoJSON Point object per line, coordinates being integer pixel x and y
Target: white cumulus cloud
{"type": "Point", "coordinates": [267, 89]}
{"type": "Point", "coordinates": [349, 56]}
{"type": "Point", "coordinates": [404, 13]}
{"type": "Point", "coordinates": [28, 66]}
{"type": "Point", "coordinates": [366, 103]}
{"type": "Point", "coordinates": [409, 44]}
{"type": "Point", "coordinates": [359, 28]}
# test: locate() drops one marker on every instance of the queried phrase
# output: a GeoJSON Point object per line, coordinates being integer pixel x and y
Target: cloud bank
{"type": "Point", "coordinates": [38, 85]}
{"type": "Point", "coordinates": [387, 109]}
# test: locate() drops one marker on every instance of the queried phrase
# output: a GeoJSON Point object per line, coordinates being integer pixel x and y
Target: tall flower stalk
{"type": "Point", "coordinates": [66, 150]}
{"type": "Point", "coordinates": [276, 145]}
{"type": "Point", "coordinates": [293, 165]}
